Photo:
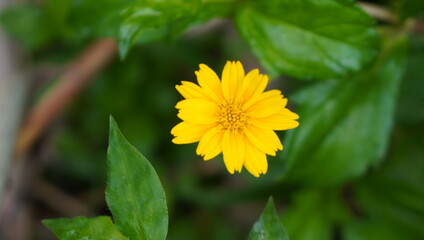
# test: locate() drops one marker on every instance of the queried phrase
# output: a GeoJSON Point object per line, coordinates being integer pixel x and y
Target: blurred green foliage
{"type": "Point", "coordinates": [352, 170]}
{"type": "Point", "coordinates": [325, 211]}
{"type": "Point", "coordinates": [408, 8]}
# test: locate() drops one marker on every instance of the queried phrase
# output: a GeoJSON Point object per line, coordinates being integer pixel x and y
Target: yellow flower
{"type": "Point", "coordinates": [235, 117]}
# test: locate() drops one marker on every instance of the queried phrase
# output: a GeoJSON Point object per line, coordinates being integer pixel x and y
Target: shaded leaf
{"type": "Point", "coordinates": [206, 11]}
{"type": "Point", "coordinates": [134, 193]}
{"type": "Point", "coordinates": [309, 39]}
{"type": "Point", "coordinates": [99, 228]}
{"type": "Point", "coordinates": [269, 225]}
{"type": "Point", "coordinates": [345, 125]}
{"type": "Point", "coordinates": [375, 230]}
{"type": "Point", "coordinates": [89, 19]}
{"type": "Point", "coordinates": [393, 196]}
{"type": "Point", "coordinates": [313, 214]}
{"type": "Point", "coordinates": [148, 17]}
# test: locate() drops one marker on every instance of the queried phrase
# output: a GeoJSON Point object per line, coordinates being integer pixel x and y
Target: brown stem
{"type": "Point", "coordinates": [58, 200]}
{"type": "Point", "coordinates": [77, 75]}
{"type": "Point", "coordinates": [379, 12]}
{"type": "Point", "coordinates": [418, 27]}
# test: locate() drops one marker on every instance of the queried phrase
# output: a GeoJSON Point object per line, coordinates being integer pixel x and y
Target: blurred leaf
{"type": "Point", "coordinates": [345, 125]}
{"type": "Point", "coordinates": [309, 39]}
{"type": "Point", "coordinates": [409, 8]}
{"type": "Point", "coordinates": [207, 10]}
{"type": "Point", "coordinates": [375, 230]}
{"type": "Point", "coordinates": [77, 161]}
{"type": "Point", "coordinates": [394, 195]}
{"type": "Point", "coordinates": [58, 11]}
{"type": "Point", "coordinates": [64, 21]}
{"type": "Point", "coordinates": [130, 21]}
{"type": "Point", "coordinates": [411, 98]}
{"type": "Point", "coordinates": [99, 228]}
{"type": "Point", "coordinates": [28, 25]}
{"type": "Point", "coordinates": [269, 225]}
{"type": "Point", "coordinates": [149, 20]}
{"type": "Point", "coordinates": [313, 214]}
{"type": "Point", "coordinates": [146, 16]}
{"type": "Point", "coordinates": [91, 19]}
{"type": "Point", "coordinates": [394, 203]}
{"type": "Point", "coordinates": [134, 193]}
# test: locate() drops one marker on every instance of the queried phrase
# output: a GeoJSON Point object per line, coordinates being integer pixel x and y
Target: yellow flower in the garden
{"type": "Point", "coordinates": [233, 116]}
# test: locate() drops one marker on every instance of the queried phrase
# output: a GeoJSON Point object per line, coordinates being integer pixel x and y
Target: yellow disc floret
{"type": "Point", "coordinates": [232, 117]}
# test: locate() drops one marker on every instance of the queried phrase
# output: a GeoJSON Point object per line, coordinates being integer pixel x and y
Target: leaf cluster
{"type": "Point", "coordinates": [137, 201]}
{"type": "Point", "coordinates": [352, 170]}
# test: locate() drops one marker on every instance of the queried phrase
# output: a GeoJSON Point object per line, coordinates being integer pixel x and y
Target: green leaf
{"type": "Point", "coordinates": [134, 193]}
{"type": "Point", "coordinates": [393, 196]}
{"type": "Point", "coordinates": [313, 214]}
{"type": "Point", "coordinates": [345, 125]}
{"type": "Point", "coordinates": [91, 19]}
{"type": "Point", "coordinates": [309, 39]}
{"type": "Point", "coordinates": [269, 225]}
{"type": "Point", "coordinates": [148, 17]}
{"type": "Point", "coordinates": [394, 204]}
{"type": "Point", "coordinates": [58, 11]}
{"type": "Point", "coordinates": [78, 228]}
{"type": "Point", "coordinates": [40, 25]}
{"type": "Point", "coordinates": [206, 11]}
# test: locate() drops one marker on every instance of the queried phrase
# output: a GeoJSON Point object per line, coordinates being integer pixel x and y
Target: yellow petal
{"type": "Point", "coordinates": [189, 133]}
{"type": "Point", "coordinates": [210, 82]}
{"type": "Point", "coordinates": [198, 111]}
{"type": "Point", "coordinates": [195, 104]}
{"type": "Point", "coordinates": [255, 161]}
{"type": "Point", "coordinates": [191, 90]}
{"type": "Point", "coordinates": [283, 120]}
{"type": "Point", "coordinates": [253, 86]}
{"type": "Point", "coordinates": [264, 139]}
{"type": "Point", "coordinates": [232, 80]}
{"type": "Point", "coordinates": [233, 151]}
{"type": "Point", "coordinates": [210, 144]}
{"type": "Point", "coordinates": [269, 103]}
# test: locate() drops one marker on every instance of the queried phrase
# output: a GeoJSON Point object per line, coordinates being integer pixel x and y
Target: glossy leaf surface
{"type": "Point", "coordinates": [345, 125]}
{"type": "Point", "coordinates": [134, 193]}
{"type": "Point", "coordinates": [99, 228]}
{"type": "Point", "coordinates": [309, 39]}
{"type": "Point", "coordinates": [148, 17]}
{"type": "Point", "coordinates": [269, 225]}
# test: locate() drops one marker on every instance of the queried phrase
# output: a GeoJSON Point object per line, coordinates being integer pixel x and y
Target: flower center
{"type": "Point", "coordinates": [232, 117]}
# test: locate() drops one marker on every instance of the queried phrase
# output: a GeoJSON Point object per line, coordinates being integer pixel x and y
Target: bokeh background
{"type": "Point", "coordinates": [62, 173]}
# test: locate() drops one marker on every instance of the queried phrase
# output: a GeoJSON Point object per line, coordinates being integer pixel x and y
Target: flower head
{"type": "Point", "coordinates": [233, 116]}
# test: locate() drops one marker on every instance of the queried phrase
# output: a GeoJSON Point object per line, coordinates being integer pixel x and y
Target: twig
{"type": "Point", "coordinates": [379, 12]}
{"type": "Point", "coordinates": [418, 26]}
{"type": "Point", "coordinates": [58, 200]}
{"type": "Point", "coordinates": [75, 78]}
